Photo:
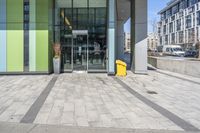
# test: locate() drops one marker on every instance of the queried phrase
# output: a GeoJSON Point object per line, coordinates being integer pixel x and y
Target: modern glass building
{"type": "Point", "coordinates": [90, 33]}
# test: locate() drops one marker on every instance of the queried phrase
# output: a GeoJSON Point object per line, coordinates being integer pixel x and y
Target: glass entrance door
{"type": "Point", "coordinates": [80, 49]}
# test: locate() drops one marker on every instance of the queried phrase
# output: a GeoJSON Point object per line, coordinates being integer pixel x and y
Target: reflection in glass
{"type": "Point", "coordinates": [87, 15]}
{"type": "Point", "coordinates": [97, 39]}
{"type": "Point", "coordinates": [80, 52]}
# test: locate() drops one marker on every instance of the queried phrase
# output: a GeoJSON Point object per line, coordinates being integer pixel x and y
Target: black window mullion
{"type": "Point", "coordinates": [26, 34]}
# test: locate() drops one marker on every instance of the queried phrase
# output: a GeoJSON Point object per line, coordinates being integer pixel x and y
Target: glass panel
{"type": "Point", "coordinates": [80, 52]}
{"type": "Point", "coordinates": [97, 3]}
{"type": "Point", "coordinates": [64, 3]}
{"type": "Point", "coordinates": [81, 17]}
{"type": "Point", "coordinates": [97, 39]}
{"type": "Point", "coordinates": [79, 3]}
{"type": "Point", "coordinates": [66, 53]}
{"type": "Point", "coordinates": [63, 32]}
{"type": "Point", "coordinates": [66, 38]}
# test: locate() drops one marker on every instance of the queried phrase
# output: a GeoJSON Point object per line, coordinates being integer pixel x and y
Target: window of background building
{"type": "Point", "coordinates": [163, 16]}
{"type": "Point", "coordinates": [186, 36]}
{"type": "Point", "coordinates": [160, 40]}
{"type": "Point", "coordinates": [178, 24]}
{"type": "Point", "coordinates": [197, 34]}
{"type": "Point", "coordinates": [164, 29]}
{"type": "Point", "coordinates": [171, 27]}
{"type": "Point", "coordinates": [173, 38]}
{"type": "Point", "coordinates": [166, 39]}
{"type": "Point", "coordinates": [169, 13]}
{"type": "Point", "coordinates": [198, 18]}
{"type": "Point", "coordinates": [180, 34]}
{"type": "Point", "coordinates": [181, 14]}
{"type": "Point", "coordinates": [173, 18]}
{"type": "Point", "coordinates": [159, 30]}
{"type": "Point", "coordinates": [182, 5]}
{"type": "Point", "coordinates": [191, 35]}
{"type": "Point", "coordinates": [188, 21]}
{"type": "Point", "coordinates": [191, 2]}
{"type": "Point", "coordinates": [194, 19]}
{"type": "Point", "coordinates": [175, 9]}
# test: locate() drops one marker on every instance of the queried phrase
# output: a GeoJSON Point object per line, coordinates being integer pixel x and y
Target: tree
{"type": "Point", "coordinates": [154, 24]}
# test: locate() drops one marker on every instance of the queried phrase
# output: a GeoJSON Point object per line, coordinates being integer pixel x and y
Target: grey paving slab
{"type": "Point", "coordinates": [97, 101]}
{"type": "Point", "coordinates": [174, 94]}
{"type": "Point", "coordinates": [179, 76]}
{"type": "Point", "coordinates": [18, 93]}
{"type": "Point", "coordinates": [176, 119]}
{"type": "Point", "coordinates": [30, 116]}
{"type": "Point", "coordinates": [36, 128]}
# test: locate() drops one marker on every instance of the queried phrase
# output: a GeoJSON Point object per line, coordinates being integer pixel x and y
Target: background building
{"type": "Point", "coordinates": [127, 42]}
{"type": "Point", "coordinates": [180, 23]}
{"type": "Point", "coordinates": [152, 41]}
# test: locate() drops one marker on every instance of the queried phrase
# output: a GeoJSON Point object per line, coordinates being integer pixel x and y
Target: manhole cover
{"type": "Point", "coordinates": [152, 92]}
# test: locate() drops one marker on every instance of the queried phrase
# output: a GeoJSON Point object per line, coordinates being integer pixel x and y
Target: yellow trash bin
{"type": "Point", "coordinates": [121, 68]}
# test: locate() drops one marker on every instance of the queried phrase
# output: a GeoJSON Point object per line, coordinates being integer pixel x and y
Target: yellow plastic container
{"type": "Point", "coordinates": [121, 68]}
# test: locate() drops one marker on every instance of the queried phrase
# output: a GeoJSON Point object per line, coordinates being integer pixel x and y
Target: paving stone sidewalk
{"type": "Point", "coordinates": [99, 101]}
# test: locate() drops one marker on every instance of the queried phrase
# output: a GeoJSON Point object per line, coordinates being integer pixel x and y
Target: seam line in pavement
{"type": "Point", "coordinates": [174, 118]}
{"type": "Point", "coordinates": [30, 116]}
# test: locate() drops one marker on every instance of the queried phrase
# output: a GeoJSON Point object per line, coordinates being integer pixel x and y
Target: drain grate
{"type": "Point", "coordinates": [152, 92]}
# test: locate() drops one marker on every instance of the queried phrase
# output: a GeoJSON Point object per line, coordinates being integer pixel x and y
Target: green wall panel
{"type": "Point", "coordinates": [15, 36]}
{"type": "Point", "coordinates": [42, 11]}
{"type": "Point", "coordinates": [15, 11]}
{"type": "Point", "coordinates": [42, 37]}
{"type": "Point", "coordinates": [42, 49]}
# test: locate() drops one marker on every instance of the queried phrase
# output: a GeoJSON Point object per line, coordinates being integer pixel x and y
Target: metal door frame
{"type": "Point", "coordinates": [79, 32]}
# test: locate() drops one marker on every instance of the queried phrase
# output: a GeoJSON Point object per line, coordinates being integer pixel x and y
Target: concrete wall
{"type": "Point", "coordinates": [188, 67]}
{"type": "Point", "coordinates": [139, 36]}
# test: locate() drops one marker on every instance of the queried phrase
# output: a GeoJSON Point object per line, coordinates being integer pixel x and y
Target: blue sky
{"type": "Point", "coordinates": [154, 6]}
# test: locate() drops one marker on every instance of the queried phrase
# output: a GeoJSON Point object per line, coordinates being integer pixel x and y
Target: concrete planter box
{"type": "Point", "coordinates": [188, 67]}
{"type": "Point", "coordinates": [56, 65]}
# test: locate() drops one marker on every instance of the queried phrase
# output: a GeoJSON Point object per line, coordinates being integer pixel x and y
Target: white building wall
{"type": "Point", "coordinates": [186, 12]}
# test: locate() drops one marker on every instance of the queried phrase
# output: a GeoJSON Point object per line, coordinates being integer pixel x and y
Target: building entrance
{"type": "Point", "coordinates": [81, 28]}
{"type": "Point", "coordinates": [75, 51]}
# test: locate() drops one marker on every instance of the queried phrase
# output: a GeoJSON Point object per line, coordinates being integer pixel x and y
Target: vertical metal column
{"type": "Point", "coordinates": [111, 36]}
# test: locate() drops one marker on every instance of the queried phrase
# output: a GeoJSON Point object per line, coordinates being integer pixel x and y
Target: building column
{"type": "Point", "coordinates": [111, 36]}
{"type": "Point", "coordinates": [120, 40]}
{"type": "Point", "coordinates": [139, 36]}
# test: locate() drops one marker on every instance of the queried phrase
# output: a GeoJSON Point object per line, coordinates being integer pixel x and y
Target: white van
{"type": "Point", "coordinates": [174, 50]}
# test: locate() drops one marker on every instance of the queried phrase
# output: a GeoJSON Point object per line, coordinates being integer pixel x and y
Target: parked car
{"type": "Point", "coordinates": [173, 50]}
{"type": "Point", "coordinates": [191, 53]}
{"type": "Point", "coordinates": [160, 48]}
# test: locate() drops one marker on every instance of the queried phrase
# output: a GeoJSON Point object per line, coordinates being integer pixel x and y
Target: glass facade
{"type": "Point", "coordinates": [80, 27]}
